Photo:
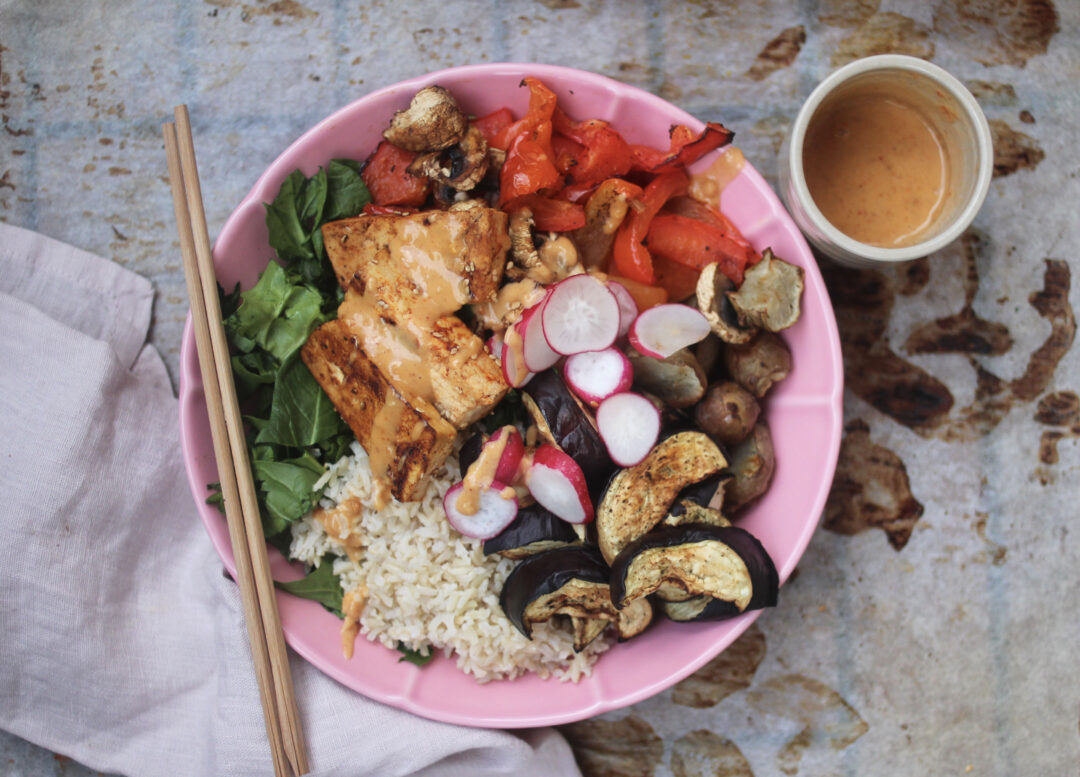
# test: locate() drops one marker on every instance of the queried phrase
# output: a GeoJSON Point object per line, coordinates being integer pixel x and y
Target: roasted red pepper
{"type": "Point", "coordinates": [686, 148]}
{"type": "Point", "coordinates": [549, 214]}
{"type": "Point", "coordinates": [528, 168]}
{"type": "Point", "coordinates": [695, 244]}
{"type": "Point", "coordinates": [632, 258]}
{"type": "Point", "coordinates": [493, 123]}
{"type": "Point", "coordinates": [565, 153]}
{"type": "Point", "coordinates": [604, 153]}
{"type": "Point", "coordinates": [695, 209]}
{"type": "Point", "coordinates": [388, 179]}
{"type": "Point", "coordinates": [541, 108]}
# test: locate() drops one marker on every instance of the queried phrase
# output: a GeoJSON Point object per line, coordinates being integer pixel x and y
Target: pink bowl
{"type": "Point", "coordinates": [804, 413]}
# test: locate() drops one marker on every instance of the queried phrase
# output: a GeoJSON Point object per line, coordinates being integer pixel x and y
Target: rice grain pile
{"type": "Point", "coordinates": [431, 588]}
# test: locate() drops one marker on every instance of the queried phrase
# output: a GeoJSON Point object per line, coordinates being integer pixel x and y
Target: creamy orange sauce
{"type": "Point", "coordinates": [382, 447]}
{"type": "Point", "coordinates": [876, 166]}
{"type": "Point", "coordinates": [339, 523]}
{"type": "Point", "coordinates": [481, 473]}
{"type": "Point", "coordinates": [708, 185]}
{"type": "Point", "coordinates": [510, 302]}
{"type": "Point", "coordinates": [352, 607]}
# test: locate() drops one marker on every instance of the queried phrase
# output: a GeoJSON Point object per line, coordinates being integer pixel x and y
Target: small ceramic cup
{"type": "Point", "coordinates": [958, 121]}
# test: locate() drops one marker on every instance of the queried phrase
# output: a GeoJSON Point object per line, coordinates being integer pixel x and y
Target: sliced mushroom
{"type": "Point", "coordinates": [712, 290]}
{"type": "Point", "coordinates": [770, 294]}
{"type": "Point", "coordinates": [433, 121]}
{"type": "Point", "coordinates": [605, 211]}
{"type": "Point", "coordinates": [719, 562]}
{"type": "Point", "coordinates": [752, 464]}
{"type": "Point", "coordinates": [638, 498]}
{"type": "Point", "coordinates": [523, 253]}
{"type": "Point", "coordinates": [678, 380]}
{"type": "Point", "coordinates": [728, 412]}
{"type": "Point", "coordinates": [460, 167]}
{"type": "Point", "coordinates": [759, 364]}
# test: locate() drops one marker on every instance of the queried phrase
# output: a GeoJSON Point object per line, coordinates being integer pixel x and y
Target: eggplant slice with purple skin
{"type": "Point", "coordinates": [570, 428]}
{"type": "Point", "coordinates": [724, 563]}
{"type": "Point", "coordinates": [639, 497]}
{"type": "Point", "coordinates": [565, 581]}
{"type": "Point", "coordinates": [534, 530]}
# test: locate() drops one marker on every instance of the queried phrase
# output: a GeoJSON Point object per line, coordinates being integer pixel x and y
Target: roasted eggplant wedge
{"type": "Point", "coordinates": [586, 630]}
{"type": "Point", "coordinates": [562, 420]}
{"type": "Point", "coordinates": [638, 498]}
{"type": "Point", "coordinates": [565, 581]}
{"type": "Point", "coordinates": [633, 619]}
{"type": "Point", "coordinates": [719, 562]}
{"type": "Point", "coordinates": [534, 530]}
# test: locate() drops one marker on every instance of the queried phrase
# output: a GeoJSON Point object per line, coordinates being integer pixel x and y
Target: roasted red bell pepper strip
{"type": "Point", "coordinates": [645, 296]}
{"type": "Point", "coordinates": [550, 215]}
{"type": "Point", "coordinates": [579, 192]}
{"type": "Point", "coordinates": [695, 244]}
{"type": "Point", "coordinates": [695, 209]}
{"type": "Point", "coordinates": [528, 168]}
{"type": "Point", "coordinates": [604, 152]}
{"type": "Point", "coordinates": [541, 108]}
{"type": "Point", "coordinates": [388, 179]}
{"type": "Point", "coordinates": [632, 258]}
{"type": "Point", "coordinates": [678, 280]}
{"type": "Point", "coordinates": [493, 123]}
{"type": "Point", "coordinates": [565, 153]}
{"type": "Point", "coordinates": [686, 148]}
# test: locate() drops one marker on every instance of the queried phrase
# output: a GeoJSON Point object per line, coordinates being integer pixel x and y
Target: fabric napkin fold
{"type": "Point", "coordinates": [122, 643]}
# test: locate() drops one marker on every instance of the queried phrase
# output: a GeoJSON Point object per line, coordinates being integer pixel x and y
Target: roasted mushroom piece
{"type": "Point", "coordinates": [460, 167]}
{"type": "Point", "coordinates": [533, 531]}
{"type": "Point", "coordinates": [712, 300]}
{"type": "Point", "coordinates": [752, 464]}
{"type": "Point", "coordinates": [757, 365]}
{"type": "Point", "coordinates": [433, 121]}
{"type": "Point", "coordinates": [565, 581]}
{"type": "Point", "coordinates": [638, 498]}
{"type": "Point", "coordinates": [679, 381]}
{"type": "Point", "coordinates": [770, 293]}
{"type": "Point", "coordinates": [728, 412]}
{"type": "Point", "coordinates": [725, 563]}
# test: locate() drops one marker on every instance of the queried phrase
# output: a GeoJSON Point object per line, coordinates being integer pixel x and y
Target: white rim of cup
{"type": "Point", "coordinates": [984, 156]}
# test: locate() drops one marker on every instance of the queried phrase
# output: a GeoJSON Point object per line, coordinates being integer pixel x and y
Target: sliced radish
{"type": "Point", "coordinates": [556, 481]}
{"type": "Point", "coordinates": [580, 315]}
{"type": "Point", "coordinates": [627, 307]}
{"type": "Point", "coordinates": [629, 425]}
{"type": "Point", "coordinates": [494, 511]}
{"type": "Point", "coordinates": [512, 451]}
{"type": "Point", "coordinates": [662, 330]}
{"type": "Point", "coordinates": [495, 345]}
{"type": "Point", "coordinates": [538, 354]}
{"type": "Point", "coordinates": [596, 375]}
{"type": "Point", "coordinates": [513, 360]}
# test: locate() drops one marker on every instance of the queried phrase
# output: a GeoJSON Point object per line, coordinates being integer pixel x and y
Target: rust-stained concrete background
{"type": "Point", "coordinates": [946, 643]}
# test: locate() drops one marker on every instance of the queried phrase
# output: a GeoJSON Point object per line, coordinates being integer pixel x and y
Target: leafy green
{"type": "Point", "coordinates": [320, 585]}
{"type": "Point", "coordinates": [288, 488]}
{"type": "Point", "coordinates": [412, 656]}
{"type": "Point", "coordinates": [301, 414]}
{"type": "Point", "coordinates": [287, 235]}
{"type": "Point", "coordinates": [511, 410]}
{"type": "Point", "coordinates": [277, 314]}
{"type": "Point", "coordinates": [347, 194]}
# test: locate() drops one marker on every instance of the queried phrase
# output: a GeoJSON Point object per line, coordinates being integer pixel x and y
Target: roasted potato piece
{"type": "Point", "coordinates": [759, 364]}
{"type": "Point", "coordinates": [678, 380]}
{"type": "Point", "coordinates": [728, 412]}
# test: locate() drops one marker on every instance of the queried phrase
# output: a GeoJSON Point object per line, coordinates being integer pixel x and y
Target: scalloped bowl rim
{"type": "Point", "coordinates": [440, 694]}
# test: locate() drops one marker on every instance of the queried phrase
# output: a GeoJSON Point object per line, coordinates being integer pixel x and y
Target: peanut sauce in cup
{"type": "Point", "coordinates": [889, 159]}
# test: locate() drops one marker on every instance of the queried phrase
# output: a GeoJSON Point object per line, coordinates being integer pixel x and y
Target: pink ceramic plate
{"type": "Point", "coordinates": [804, 413]}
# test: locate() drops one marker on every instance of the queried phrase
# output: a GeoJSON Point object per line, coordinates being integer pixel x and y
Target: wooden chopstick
{"type": "Point", "coordinates": [238, 488]}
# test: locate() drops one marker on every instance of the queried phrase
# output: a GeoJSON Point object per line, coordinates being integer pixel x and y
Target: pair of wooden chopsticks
{"type": "Point", "coordinates": [234, 468]}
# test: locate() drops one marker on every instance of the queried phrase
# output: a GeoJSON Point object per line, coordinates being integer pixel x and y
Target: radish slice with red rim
{"type": "Point", "coordinates": [513, 361]}
{"type": "Point", "coordinates": [596, 375]}
{"type": "Point", "coordinates": [539, 355]}
{"type": "Point", "coordinates": [662, 330]}
{"type": "Point", "coordinates": [556, 481]}
{"type": "Point", "coordinates": [512, 451]}
{"type": "Point", "coordinates": [629, 425]}
{"type": "Point", "coordinates": [580, 314]}
{"type": "Point", "coordinates": [628, 309]}
{"type": "Point", "coordinates": [494, 511]}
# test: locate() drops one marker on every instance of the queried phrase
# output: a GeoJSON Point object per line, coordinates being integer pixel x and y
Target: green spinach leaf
{"type": "Point", "coordinates": [413, 657]}
{"type": "Point", "coordinates": [288, 488]}
{"type": "Point", "coordinates": [321, 585]}
{"type": "Point", "coordinates": [287, 235]}
{"type": "Point", "coordinates": [301, 414]}
{"type": "Point", "coordinates": [347, 194]}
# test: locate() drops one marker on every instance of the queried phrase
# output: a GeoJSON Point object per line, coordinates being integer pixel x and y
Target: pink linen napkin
{"type": "Point", "coordinates": [122, 644]}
